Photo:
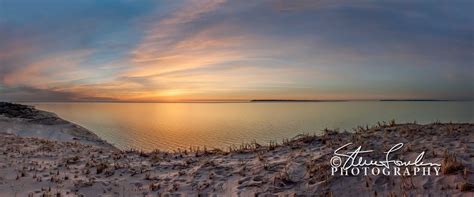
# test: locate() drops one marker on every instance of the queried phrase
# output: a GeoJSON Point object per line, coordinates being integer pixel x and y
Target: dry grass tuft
{"type": "Point", "coordinates": [450, 164]}
{"type": "Point", "coordinates": [101, 167]}
{"type": "Point", "coordinates": [466, 187]}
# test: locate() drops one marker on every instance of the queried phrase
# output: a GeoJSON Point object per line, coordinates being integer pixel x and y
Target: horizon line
{"type": "Point", "coordinates": [252, 101]}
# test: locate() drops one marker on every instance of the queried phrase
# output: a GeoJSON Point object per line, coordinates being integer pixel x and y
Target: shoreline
{"type": "Point", "coordinates": [57, 164]}
{"type": "Point", "coordinates": [27, 121]}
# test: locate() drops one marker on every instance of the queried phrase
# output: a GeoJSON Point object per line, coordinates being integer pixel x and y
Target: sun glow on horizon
{"type": "Point", "coordinates": [228, 50]}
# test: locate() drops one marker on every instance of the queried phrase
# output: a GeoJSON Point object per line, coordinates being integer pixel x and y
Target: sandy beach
{"type": "Point", "coordinates": [79, 164]}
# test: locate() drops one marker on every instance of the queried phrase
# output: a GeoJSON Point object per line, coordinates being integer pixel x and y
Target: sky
{"type": "Point", "coordinates": [197, 50]}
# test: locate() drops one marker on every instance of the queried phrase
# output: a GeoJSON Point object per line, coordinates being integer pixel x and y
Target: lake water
{"type": "Point", "coordinates": [168, 126]}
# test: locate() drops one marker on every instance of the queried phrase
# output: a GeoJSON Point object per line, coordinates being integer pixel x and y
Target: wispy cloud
{"type": "Point", "coordinates": [217, 49]}
{"type": "Point", "coordinates": [57, 68]}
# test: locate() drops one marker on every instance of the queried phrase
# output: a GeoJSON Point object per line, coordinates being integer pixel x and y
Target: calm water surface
{"type": "Point", "coordinates": [168, 126]}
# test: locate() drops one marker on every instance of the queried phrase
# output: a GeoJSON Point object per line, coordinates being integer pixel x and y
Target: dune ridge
{"type": "Point", "coordinates": [76, 162]}
{"type": "Point", "coordinates": [25, 120]}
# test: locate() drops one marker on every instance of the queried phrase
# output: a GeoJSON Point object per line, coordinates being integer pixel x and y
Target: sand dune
{"type": "Point", "coordinates": [24, 120]}
{"type": "Point", "coordinates": [34, 167]}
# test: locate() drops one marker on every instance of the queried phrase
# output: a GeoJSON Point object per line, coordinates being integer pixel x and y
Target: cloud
{"type": "Point", "coordinates": [51, 46]}
{"type": "Point", "coordinates": [212, 56]}
{"type": "Point", "coordinates": [30, 94]}
{"type": "Point", "coordinates": [166, 32]}
{"type": "Point", "coordinates": [46, 72]}
{"type": "Point", "coordinates": [233, 49]}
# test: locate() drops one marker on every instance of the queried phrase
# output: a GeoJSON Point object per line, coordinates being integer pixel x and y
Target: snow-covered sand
{"type": "Point", "coordinates": [35, 166]}
{"type": "Point", "coordinates": [24, 120]}
{"type": "Point", "coordinates": [32, 166]}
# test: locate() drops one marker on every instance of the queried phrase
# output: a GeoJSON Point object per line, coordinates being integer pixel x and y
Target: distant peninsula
{"type": "Point", "coordinates": [313, 100]}
{"type": "Point", "coordinates": [291, 100]}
